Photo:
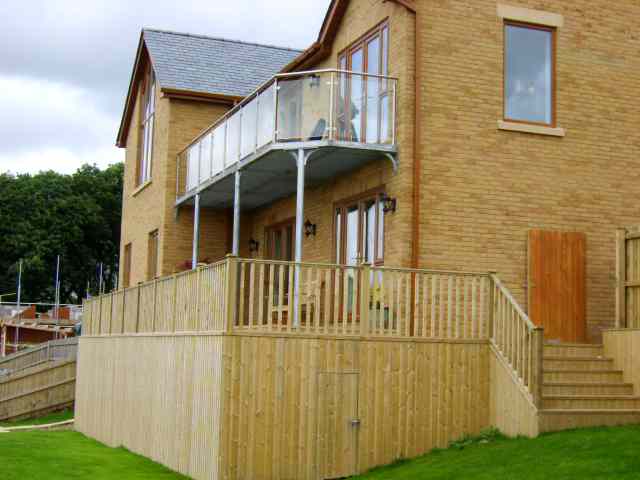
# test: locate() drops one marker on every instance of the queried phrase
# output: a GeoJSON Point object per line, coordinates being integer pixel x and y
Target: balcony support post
{"type": "Point", "coordinates": [196, 231]}
{"type": "Point", "coordinates": [235, 247]}
{"type": "Point", "coordinates": [300, 161]}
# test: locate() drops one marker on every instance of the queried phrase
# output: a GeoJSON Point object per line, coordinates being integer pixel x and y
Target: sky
{"type": "Point", "coordinates": [65, 66]}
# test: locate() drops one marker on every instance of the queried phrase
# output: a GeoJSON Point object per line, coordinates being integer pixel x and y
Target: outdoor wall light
{"type": "Point", "coordinates": [309, 228]}
{"type": "Point", "coordinates": [254, 245]}
{"type": "Point", "coordinates": [388, 203]}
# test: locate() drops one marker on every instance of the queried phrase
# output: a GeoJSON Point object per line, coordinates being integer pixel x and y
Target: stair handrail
{"type": "Point", "coordinates": [517, 339]}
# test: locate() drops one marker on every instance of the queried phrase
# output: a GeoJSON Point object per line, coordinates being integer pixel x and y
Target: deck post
{"type": "Point", "coordinates": [231, 293]}
{"type": "Point", "coordinates": [536, 389]}
{"type": "Point", "coordinates": [235, 248]}
{"type": "Point", "coordinates": [621, 278]}
{"type": "Point", "coordinates": [196, 231]}
{"type": "Point", "coordinates": [300, 161]}
{"type": "Point", "coordinates": [365, 298]}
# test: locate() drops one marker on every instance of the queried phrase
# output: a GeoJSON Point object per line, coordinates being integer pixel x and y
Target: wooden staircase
{"type": "Point", "coordinates": [582, 388]}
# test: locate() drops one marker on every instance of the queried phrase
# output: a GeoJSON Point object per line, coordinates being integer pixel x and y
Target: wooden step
{"type": "Point", "coordinates": [573, 350]}
{"type": "Point", "coordinates": [587, 388]}
{"type": "Point", "coordinates": [564, 375]}
{"type": "Point", "coordinates": [561, 419]}
{"type": "Point", "coordinates": [590, 402]}
{"type": "Point", "coordinates": [577, 363]}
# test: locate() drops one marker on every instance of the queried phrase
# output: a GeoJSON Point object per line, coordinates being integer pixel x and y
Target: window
{"type": "Point", "coordinates": [365, 100]}
{"type": "Point", "coordinates": [152, 258]}
{"type": "Point", "coordinates": [146, 128]}
{"type": "Point", "coordinates": [126, 266]}
{"type": "Point", "coordinates": [529, 71]}
{"type": "Point", "coordinates": [359, 230]}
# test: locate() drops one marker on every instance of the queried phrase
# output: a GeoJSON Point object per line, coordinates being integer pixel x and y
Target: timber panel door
{"type": "Point", "coordinates": [338, 424]}
{"type": "Point", "coordinates": [556, 284]}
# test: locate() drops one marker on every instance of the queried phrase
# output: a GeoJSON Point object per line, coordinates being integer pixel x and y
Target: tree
{"type": "Point", "coordinates": [48, 214]}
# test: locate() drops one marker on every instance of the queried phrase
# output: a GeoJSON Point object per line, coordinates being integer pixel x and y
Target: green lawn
{"type": "Point", "coordinates": [595, 453]}
{"type": "Point", "coordinates": [68, 455]}
{"type": "Point", "coordinates": [51, 418]}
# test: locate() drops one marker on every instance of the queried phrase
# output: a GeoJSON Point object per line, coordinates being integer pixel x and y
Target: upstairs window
{"type": "Point", "coordinates": [529, 71]}
{"type": "Point", "coordinates": [146, 128]}
{"type": "Point", "coordinates": [363, 109]}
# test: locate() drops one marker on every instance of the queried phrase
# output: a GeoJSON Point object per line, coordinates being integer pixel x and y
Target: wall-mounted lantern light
{"type": "Point", "coordinates": [254, 245]}
{"type": "Point", "coordinates": [388, 203]}
{"type": "Point", "coordinates": [309, 228]}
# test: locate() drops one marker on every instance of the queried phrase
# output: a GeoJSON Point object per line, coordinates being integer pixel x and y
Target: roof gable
{"type": "Point", "coordinates": [201, 66]}
{"type": "Point", "coordinates": [322, 46]}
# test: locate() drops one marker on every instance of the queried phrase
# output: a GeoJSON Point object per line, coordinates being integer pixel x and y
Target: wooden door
{"type": "Point", "coordinates": [338, 424]}
{"type": "Point", "coordinates": [557, 284]}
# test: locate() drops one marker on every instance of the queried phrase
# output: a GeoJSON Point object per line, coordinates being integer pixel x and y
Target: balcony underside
{"type": "Point", "coordinates": [270, 174]}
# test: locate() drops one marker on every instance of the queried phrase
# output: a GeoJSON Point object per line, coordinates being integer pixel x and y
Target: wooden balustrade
{"type": "Point", "coordinates": [628, 278]}
{"type": "Point", "coordinates": [517, 339]}
{"type": "Point", "coordinates": [187, 302]}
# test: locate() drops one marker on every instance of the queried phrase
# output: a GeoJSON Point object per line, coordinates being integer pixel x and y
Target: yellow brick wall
{"type": "Point", "coordinates": [188, 119]}
{"type": "Point", "coordinates": [141, 211]}
{"type": "Point", "coordinates": [360, 17]}
{"type": "Point", "coordinates": [177, 122]}
{"type": "Point", "coordinates": [483, 189]}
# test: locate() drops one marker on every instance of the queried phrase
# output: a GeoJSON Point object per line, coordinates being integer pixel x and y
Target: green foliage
{"type": "Point", "coordinates": [592, 453]}
{"type": "Point", "coordinates": [46, 214]}
{"type": "Point", "coordinates": [68, 455]}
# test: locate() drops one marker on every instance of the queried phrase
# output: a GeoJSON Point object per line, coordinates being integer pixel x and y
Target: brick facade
{"type": "Point", "coordinates": [481, 189]}
{"type": "Point", "coordinates": [151, 207]}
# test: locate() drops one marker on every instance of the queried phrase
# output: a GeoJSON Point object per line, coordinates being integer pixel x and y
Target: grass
{"type": "Point", "coordinates": [69, 455]}
{"type": "Point", "coordinates": [51, 418]}
{"type": "Point", "coordinates": [593, 453]}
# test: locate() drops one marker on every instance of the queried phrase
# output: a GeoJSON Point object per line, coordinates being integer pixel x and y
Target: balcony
{"type": "Point", "coordinates": [338, 120]}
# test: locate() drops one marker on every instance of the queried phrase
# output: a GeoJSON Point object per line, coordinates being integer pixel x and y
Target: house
{"type": "Point", "coordinates": [397, 237]}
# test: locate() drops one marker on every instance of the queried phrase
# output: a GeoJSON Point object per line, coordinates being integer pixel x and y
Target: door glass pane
{"type": "Point", "coordinates": [277, 245]}
{"type": "Point", "coordinates": [373, 90]}
{"type": "Point", "coordinates": [528, 81]}
{"type": "Point", "coordinates": [342, 103]}
{"type": "Point", "coordinates": [380, 253]}
{"type": "Point", "coordinates": [352, 235]}
{"type": "Point", "coordinates": [289, 243]}
{"type": "Point", "coordinates": [369, 233]}
{"type": "Point", "coordinates": [338, 225]}
{"type": "Point", "coordinates": [357, 91]}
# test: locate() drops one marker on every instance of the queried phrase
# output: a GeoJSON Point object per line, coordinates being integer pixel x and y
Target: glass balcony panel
{"type": "Point", "coordinates": [372, 109]}
{"type": "Point", "coordinates": [385, 120]}
{"type": "Point", "coordinates": [219, 142]}
{"type": "Point", "coordinates": [193, 157]}
{"type": "Point", "coordinates": [316, 104]}
{"type": "Point", "coordinates": [249, 127]}
{"type": "Point", "coordinates": [355, 107]}
{"type": "Point", "coordinates": [289, 109]}
{"type": "Point", "coordinates": [233, 139]}
{"type": "Point", "coordinates": [266, 116]}
{"type": "Point", "coordinates": [205, 157]}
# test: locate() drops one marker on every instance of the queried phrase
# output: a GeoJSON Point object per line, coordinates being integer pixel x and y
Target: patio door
{"type": "Point", "coordinates": [279, 246]}
{"type": "Point", "coordinates": [338, 424]}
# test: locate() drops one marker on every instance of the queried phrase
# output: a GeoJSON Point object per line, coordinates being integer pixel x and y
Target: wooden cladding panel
{"type": "Point", "coordinates": [157, 396]}
{"type": "Point", "coordinates": [511, 409]}
{"type": "Point", "coordinates": [411, 397]}
{"type": "Point", "coordinates": [557, 284]}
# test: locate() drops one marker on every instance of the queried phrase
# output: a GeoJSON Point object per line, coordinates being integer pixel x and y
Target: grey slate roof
{"type": "Point", "coordinates": [213, 65]}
